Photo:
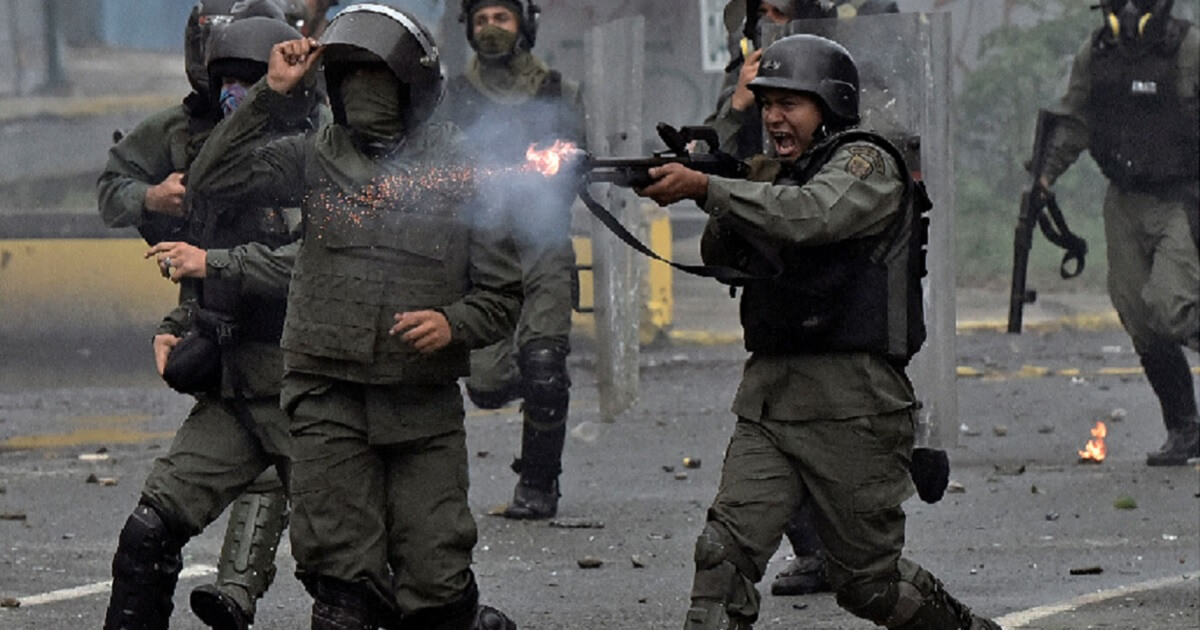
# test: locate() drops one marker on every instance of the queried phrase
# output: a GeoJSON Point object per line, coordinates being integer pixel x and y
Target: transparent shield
{"type": "Point", "coordinates": [891, 52]}
{"type": "Point", "coordinates": [903, 62]}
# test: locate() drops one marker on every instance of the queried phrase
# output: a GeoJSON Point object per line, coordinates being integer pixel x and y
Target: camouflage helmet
{"type": "Point", "coordinates": [205, 16]}
{"type": "Point", "coordinates": [527, 14]}
{"type": "Point", "coordinates": [819, 66]}
{"type": "Point", "coordinates": [381, 33]}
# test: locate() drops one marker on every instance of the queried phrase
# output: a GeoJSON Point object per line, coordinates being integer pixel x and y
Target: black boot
{"type": "Point", "coordinates": [1183, 443]}
{"type": "Point", "coordinates": [533, 500]}
{"type": "Point", "coordinates": [145, 570]}
{"type": "Point", "coordinates": [488, 618]}
{"type": "Point", "coordinates": [247, 565]}
{"type": "Point", "coordinates": [1171, 379]}
{"type": "Point", "coordinates": [465, 613]}
{"type": "Point", "coordinates": [805, 574]}
{"type": "Point", "coordinates": [802, 576]}
{"type": "Point", "coordinates": [341, 606]}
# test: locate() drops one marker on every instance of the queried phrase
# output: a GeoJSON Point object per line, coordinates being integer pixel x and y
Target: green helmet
{"type": "Point", "coordinates": [819, 66]}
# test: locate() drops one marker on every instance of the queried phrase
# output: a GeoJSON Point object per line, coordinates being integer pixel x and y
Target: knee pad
{"type": "Point", "coordinates": [145, 569]}
{"type": "Point", "coordinates": [896, 603]}
{"type": "Point", "coordinates": [873, 601]}
{"type": "Point", "coordinates": [712, 546]}
{"type": "Point", "coordinates": [545, 384]}
{"type": "Point", "coordinates": [147, 550]}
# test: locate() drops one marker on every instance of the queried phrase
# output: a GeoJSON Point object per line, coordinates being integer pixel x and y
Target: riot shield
{"type": "Point", "coordinates": [903, 62]}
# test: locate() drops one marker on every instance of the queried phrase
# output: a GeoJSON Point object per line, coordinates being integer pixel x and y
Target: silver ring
{"type": "Point", "coordinates": [167, 262]}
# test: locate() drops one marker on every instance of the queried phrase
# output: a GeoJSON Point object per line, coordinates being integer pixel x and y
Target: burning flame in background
{"type": "Point", "coordinates": [549, 161]}
{"type": "Point", "coordinates": [1095, 450]}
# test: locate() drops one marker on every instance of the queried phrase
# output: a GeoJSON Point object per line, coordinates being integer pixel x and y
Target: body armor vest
{"type": "Point", "coordinates": [399, 245]}
{"type": "Point", "coordinates": [1141, 135]}
{"type": "Point", "coordinates": [542, 119]}
{"type": "Point", "coordinates": [860, 295]}
{"type": "Point", "coordinates": [224, 226]}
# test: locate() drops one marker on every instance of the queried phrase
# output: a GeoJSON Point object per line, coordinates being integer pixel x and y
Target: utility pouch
{"type": "Point", "coordinates": [194, 365]}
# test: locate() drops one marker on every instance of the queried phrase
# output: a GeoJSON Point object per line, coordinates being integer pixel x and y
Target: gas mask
{"type": "Point", "coordinates": [1127, 19]}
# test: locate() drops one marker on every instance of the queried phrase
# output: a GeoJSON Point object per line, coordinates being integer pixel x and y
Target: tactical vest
{"type": "Point", "coordinates": [402, 244]}
{"type": "Point", "coordinates": [859, 295]}
{"type": "Point", "coordinates": [213, 225]}
{"type": "Point", "coordinates": [544, 118]}
{"type": "Point", "coordinates": [224, 225]}
{"type": "Point", "coordinates": [1141, 135]}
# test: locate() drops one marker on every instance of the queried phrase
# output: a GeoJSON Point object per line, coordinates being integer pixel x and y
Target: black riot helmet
{"type": "Point", "coordinates": [819, 66]}
{"type": "Point", "coordinates": [205, 16]}
{"type": "Point", "coordinates": [877, 7]}
{"type": "Point", "coordinates": [294, 12]}
{"type": "Point", "coordinates": [1132, 20]}
{"type": "Point", "coordinates": [242, 49]}
{"type": "Point", "coordinates": [381, 33]}
{"type": "Point", "coordinates": [527, 14]}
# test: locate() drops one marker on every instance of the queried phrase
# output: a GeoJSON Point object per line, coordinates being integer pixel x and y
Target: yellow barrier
{"type": "Point", "coordinates": [658, 302]}
{"type": "Point", "coordinates": [61, 285]}
{"type": "Point", "coordinates": [49, 286]}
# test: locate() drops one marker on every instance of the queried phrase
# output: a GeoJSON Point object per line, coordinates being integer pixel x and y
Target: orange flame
{"type": "Point", "coordinates": [548, 161]}
{"type": "Point", "coordinates": [1095, 449]}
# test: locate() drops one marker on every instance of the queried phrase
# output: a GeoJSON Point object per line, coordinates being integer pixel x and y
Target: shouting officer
{"type": "Point", "coordinates": [825, 411]}
{"type": "Point", "coordinates": [402, 271]}
{"type": "Point", "coordinates": [1134, 104]}
{"type": "Point", "coordinates": [507, 101]}
{"type": "Point", "coordinates": [739, 126]}
{"type": "Point", "coordinates": [234, 270]}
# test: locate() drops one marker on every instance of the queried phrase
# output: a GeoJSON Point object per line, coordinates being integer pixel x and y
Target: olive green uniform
{"type": "Point", "coordinates": [379, 484]}
{"type": "Point", "coordinates": [1153, 263]}
{"type": "Point", "coordinates": [215, 454]}
{"type": "Point", "coordinates": [835, 428]}
{"type": "Point", "coordinates": [504, 109]}
{"type": "Point", "coordinates": [155, 148]}
{"type": "Point", "coordinates": [1153, 266]}
{"type": "Point", "coordinates": [206, 461]}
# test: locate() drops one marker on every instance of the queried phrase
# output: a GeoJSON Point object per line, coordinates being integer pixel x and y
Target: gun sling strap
{"type": "Point", "coordinates": [728, 275]}
{"type": "Point", "coordinates": [1054, 226]}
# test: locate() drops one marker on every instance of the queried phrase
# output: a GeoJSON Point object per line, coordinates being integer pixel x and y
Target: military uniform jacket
{"type": "Point", "coordinates": [857, 194]}
{"type": "Point", "coordinates": [404, 237]}
{"type": "Point", "coordinates": [164, 143]}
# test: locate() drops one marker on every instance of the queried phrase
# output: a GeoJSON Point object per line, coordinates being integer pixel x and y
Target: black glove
{"type": "Point", "coordinates": [930, 472]}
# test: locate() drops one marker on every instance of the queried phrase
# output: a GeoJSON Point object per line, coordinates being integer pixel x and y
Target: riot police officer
{"type": "Point", "coordinates": [831, 229]}
{"type": "Point", "coordinates": [234, 268]}
{"type": "Point", "coordinates": [400, 274]}
{"type": "Point", "coordinates": [507, 101]}
{"type": "Point", "coordinates": [1132, 102]}
{"type": "Point", "coordinates": [738, 124]}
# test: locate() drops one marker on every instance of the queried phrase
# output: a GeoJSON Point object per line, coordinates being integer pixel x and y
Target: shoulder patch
{"type": "Point", "coordinates": [864, 160]}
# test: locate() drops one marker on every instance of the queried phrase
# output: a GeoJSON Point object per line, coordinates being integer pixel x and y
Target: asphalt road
{"type": "Point", "coordinates": [1028, 515]}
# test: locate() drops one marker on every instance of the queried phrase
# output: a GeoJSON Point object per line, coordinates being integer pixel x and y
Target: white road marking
{"type": "Point", "coordinates": [199, 570]}
{"type": "Point", "coordinates": [1019, 619]}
